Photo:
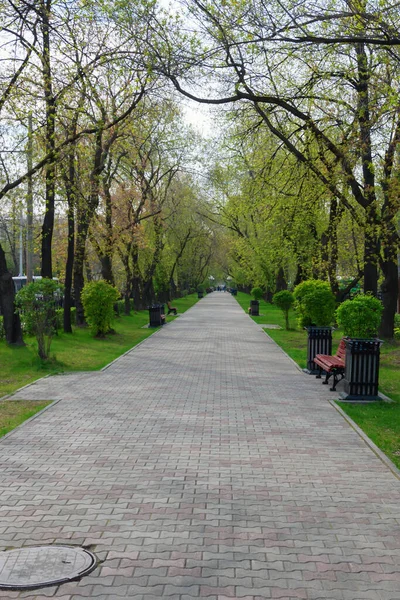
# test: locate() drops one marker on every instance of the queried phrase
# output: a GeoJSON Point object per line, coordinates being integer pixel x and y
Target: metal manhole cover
{"type": "Point", "coordinates": [27, 568]}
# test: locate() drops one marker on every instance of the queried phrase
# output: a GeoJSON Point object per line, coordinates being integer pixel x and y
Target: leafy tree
{"type": "Point", "coordinates": [284, 300]}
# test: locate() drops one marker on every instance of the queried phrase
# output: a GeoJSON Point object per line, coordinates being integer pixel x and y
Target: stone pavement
{"type": "Point", "coordinates": [202, 464]}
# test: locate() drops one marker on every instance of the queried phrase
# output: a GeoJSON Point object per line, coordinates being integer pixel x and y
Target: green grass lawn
{"type": "Point", "coordinates": [78, 351]}
{"type": "Point", "coordinates": [379, 420]}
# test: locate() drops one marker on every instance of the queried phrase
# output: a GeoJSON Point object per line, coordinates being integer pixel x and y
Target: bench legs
{"type": "Point", "coordinates": [336, 373]}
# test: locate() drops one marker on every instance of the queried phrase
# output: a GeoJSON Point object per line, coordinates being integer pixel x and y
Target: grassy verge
{"type": "Point", "coordinates": [78, 351]}
{"type": "Point", "coordinates": [15, 412]}
{"type": "Point", "coordinates": [379, 420]}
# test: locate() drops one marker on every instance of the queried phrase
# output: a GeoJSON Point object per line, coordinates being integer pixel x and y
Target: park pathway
{"type": "Point", "coordinates": [202, 464]}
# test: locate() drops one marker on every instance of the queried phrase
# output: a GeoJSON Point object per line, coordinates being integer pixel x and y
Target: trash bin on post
{"type": "Point", "coordinates": [155, 315]}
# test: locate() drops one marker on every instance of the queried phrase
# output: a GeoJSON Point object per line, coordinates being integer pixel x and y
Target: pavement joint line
{"type": "Point", "coordinates": [377, 451]}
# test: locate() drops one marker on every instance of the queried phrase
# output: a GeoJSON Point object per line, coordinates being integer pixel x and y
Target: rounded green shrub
{"type": "Point", "coordinates": [314, 303]}
{"type": "Point", "coordinates": [257, 293]}
{"type": "Point", "coordinates": [98, 298]}
{"type": "Point", "coordinates": [284, 300]}
{"type": "Point", "coordinates": [360, 317]}
{"type": "Point", "coordinates": [36, 303]}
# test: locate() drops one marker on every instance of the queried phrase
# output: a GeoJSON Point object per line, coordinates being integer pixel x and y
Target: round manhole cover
{"type": "Point", "coordinates": [27, 568]}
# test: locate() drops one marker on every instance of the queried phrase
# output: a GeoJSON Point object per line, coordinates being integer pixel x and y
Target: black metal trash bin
{"type": "Point", "coordinates": [155, 315]}
{"type": "Point", "coordinates": [361, 378]}
{"type": "Point", "coordinates": [319, 342]}
{"type": "Point", "coordinates": [254, 308]}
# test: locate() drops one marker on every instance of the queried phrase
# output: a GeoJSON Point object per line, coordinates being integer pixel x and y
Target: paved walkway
{"type": "Point", "coordinates": [202, 464]}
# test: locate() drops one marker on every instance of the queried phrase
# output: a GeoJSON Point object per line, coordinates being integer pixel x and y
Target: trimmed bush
{"type": "Point", "coordinates": [98, 298]}
{"type": "Point", "coordinates": [36, 304]}
{"type": "Point", "coordinates": [284, 300]}
{"type": "Point", "coordinates": [360, 317]}
{"type": "Point", "coordinates": [314, 303]}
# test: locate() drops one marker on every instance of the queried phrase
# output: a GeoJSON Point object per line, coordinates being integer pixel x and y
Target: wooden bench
{"type": "Point", "coordinates": [332, 365]}
{"type": "Point", "coordinates": [171, 308]}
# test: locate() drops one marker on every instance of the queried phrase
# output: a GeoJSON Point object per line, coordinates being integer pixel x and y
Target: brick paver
{"type": "Point", "coordinates": [202, 464]}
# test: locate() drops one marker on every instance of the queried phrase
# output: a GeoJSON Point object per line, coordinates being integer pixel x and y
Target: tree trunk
{"type": "Point", "coordinates": [48, 222]}
{"type": "Point", "coordinates": [85, 214]}
{"type": "Point", "coordinates": [127, 303]}
{"type": "Point", "coordinates": [79, 262]}
{"type": "Point", "coordinates": [136, 292]}
{"type": "Point", "coordinates": [390, 291]}
{"type": "Point", "coordinates": [335, 213]}
{"type": "Point", "coordinates": [106, 260]}
{"type": "Point", "coordinates": [11, 320]}
{"type": "Point", "coordinates": [148, 294]}
{"type": "Point", "coordinates": [106, 268]}
{"type": "Point", "coordinates": [371, 253]}
{"type": "Point", "coordinates": [299, 275]}
{"type": "Point", "coordinates": [70, 193]}
{"type": "Point", "coordinates": [371, 244]}
{"type": "Point", "coordinates": [172, 289]}
{"type": "Point", "coordinates": [281, 283]}
{"type": "Point", "coordinates": [69, 267]}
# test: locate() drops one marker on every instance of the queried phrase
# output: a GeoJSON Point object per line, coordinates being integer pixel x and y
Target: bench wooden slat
{"type": "Point", "coordinates": [332, 365]}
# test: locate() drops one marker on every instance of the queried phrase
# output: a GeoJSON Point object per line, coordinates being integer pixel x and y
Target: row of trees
{"type": "Point", "coordinates": [94, 142]}
{"type": "Point", "coordinates": [309, 185]}
{"type": "Point", "coordinates": [323, 80]}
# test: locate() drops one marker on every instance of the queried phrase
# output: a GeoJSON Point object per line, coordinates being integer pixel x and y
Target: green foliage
{"type": "Point", "coordinates": [360, 317]}
{"type": "Point", "coordinates": [257, 293]}
{"type": "Point", "coordinates": [397, 327]}
{"type": "Point", "coordinates": [2, 330]}
{"type": "Point", "coordinates": [98, 298]}
{"type": "Point", "coordinates": [284, 300]}
{"type": "Point", "coordinates": [120, 305]}
{"type": "Point", "coordinates": [201, 289]}
{"type": "Point", "coordinates": [59, 317]}
{"type": "Point", "coordinates": [314, 303]}
{"type": "Point", "coordinates": [36, 304]}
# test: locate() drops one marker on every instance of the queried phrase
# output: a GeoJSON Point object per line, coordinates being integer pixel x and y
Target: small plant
{"type": "Point", "coordinates": [257, 293]}
{"type": "Point", "coordinates": [201, 288]}
{"type": "Point", "coordinates": [98, 298]}
{"type": "Point", "coordinates": [397, 327]}
{"type": "Point", "coordinates": [36, 304]}
{"type": "Point", "coordinates": [314, 303]}
{"type": "Point", "coordinates": [284, 300]}
{"type": "Point", "coordinates": [360, 317]}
